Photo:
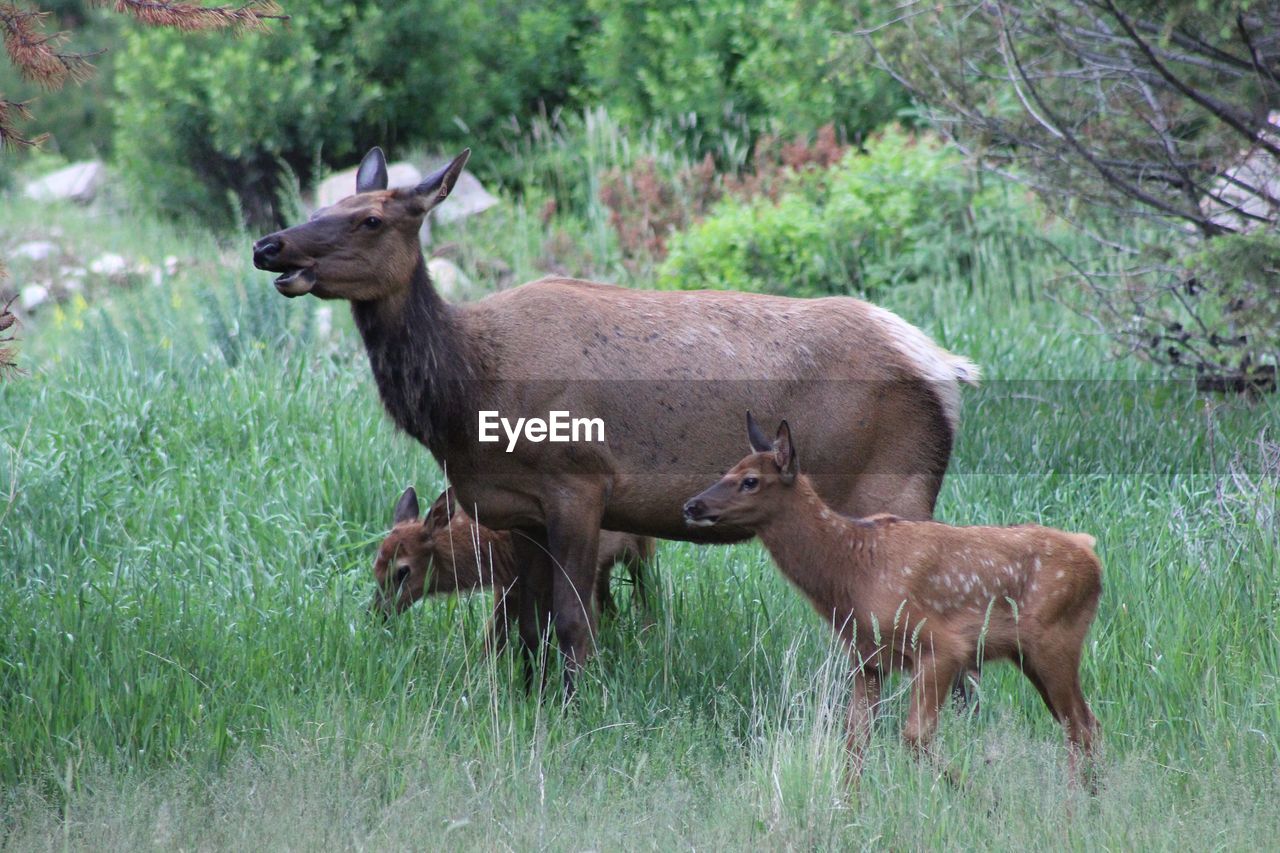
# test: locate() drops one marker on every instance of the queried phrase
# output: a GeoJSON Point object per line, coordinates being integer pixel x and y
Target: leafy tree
{"type": "Point", "coordinates": [45, 58]}
{"type": "Point", "coordinates": [1154, 115]}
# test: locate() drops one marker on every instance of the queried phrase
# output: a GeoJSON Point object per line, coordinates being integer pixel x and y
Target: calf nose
{"type": "Point", "coordinates": [266, 249]}
{"type": "Point", "coordinates": [694, 509]}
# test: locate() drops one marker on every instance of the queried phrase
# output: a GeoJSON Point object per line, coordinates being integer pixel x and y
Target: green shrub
{"type": "Point", "coordinates": [209, 124]}
{"type": "Point", "coordinates": [904, 208]}
{"type": "Point", "coordinates": [775, 65]}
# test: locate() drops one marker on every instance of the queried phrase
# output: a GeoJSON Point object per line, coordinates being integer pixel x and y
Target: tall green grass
{"type": "Point", "coordinates": [193, 481]}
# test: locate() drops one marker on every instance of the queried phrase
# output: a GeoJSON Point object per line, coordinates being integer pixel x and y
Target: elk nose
{"type": "Point", "coordinates": [266, 249]}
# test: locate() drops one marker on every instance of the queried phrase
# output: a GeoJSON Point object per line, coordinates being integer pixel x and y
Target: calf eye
{"type": "Point", "coordinates": [749, 484]}
{"type": "Point", "coordinates": [372, 222]}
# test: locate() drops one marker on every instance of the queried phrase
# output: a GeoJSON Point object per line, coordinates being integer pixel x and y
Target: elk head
{"type": "Point", "coordinates": [745, 496]}
{"type": "Point", "coordinates": [363, 248]}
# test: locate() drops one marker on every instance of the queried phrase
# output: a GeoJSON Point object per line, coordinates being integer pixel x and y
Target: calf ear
{"type": "Point", "coordinates": [372, 174]}
{"type": "Point", "coordinates": [441, 511]}
{"type": "Point", "coordinates": [784, 453]}
{"type": "Point", "coordinates": [406, 507]}
{"type": "Point", "coordinates": [759, 442]}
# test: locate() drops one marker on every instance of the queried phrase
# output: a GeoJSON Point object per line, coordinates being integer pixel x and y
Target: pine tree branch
{"type": "Point", "coordinates": [12, 112]}
{"type": "Point", "coordinates": [38, 57]}
{"type": "Point", "coordinates": [193, 17]}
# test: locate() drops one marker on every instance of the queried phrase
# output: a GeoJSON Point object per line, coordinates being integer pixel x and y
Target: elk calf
{"type": "Point", "coordinates": [920, 596]}
{"type": "Point", "coordinates": [446, 552]}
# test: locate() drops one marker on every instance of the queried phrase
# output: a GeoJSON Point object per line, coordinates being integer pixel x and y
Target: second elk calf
{"type": "Point", "coordinates": [446, 551]}
{"type": "Point", "coordinates": [920, 596]}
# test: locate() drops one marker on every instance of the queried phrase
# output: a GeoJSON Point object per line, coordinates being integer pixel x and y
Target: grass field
{"type": "Point", "coordinates": [193, 479]}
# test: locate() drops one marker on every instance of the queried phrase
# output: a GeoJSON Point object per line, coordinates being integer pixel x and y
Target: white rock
{"type": "Point", "coordinates": [339, 185]}
{"type": "Point", "coordinates": [466, 199]}
{"type": "Point", "coordinates": [449, 280]}
{"type": "Point", "coordinates": [36, 250]}
{"type": "Point", "coordinates": [324, 321]}
{"type": "Point", "coordinates": [71, 278]}
{"type": "Point", "coordinates": [77, 182]}
{"type": "Point", "coordinates": [1233, 206]}
{"type": "Point", "coordinates": [33, 296]}
{"type": "Point", "coordinates": [109, 264]}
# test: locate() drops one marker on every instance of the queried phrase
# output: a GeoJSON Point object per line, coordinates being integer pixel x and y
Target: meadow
{"type": "Point", "coordinates": [195, 473]}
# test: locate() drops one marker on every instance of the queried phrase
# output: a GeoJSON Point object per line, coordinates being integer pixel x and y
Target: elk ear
{"type": "Point", "coordinates": [441, 511]}
{"type": "Point", "coordinates": [406, 507]}
{"type": "Point", "coordinates": [759, 442]}
{"type": "Point", "coordinates": [372, 174]}
{"type": "Point", "coordinates": [784, 453]}
{"type": "Point", "coordinates": [436, 187]}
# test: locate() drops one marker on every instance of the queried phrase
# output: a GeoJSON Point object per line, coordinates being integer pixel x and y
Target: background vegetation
{"type": "Point", "coordinates": [194, 472]}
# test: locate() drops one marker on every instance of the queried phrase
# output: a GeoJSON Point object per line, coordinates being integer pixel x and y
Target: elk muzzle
{"type": "Point", "coordinates": [270, 254]}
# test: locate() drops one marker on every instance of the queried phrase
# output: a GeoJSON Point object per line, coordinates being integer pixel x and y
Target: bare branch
{"type": "Point", "coordinates": [1221, 111]}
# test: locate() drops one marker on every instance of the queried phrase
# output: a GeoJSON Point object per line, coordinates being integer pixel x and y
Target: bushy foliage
{"type": "Point", "coordinates": [902, 208]}
{"type": "Point", "coordinates": [200, 118]}
{"type": "Point", "coordinates": [205, 117]}
{"type": "Point", "coordinates": [768, 64]}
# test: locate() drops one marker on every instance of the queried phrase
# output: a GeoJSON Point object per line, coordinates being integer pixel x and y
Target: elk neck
{"type": "Point", "coordinates": [826, 555]}
{"type": "Point", "coordinates": [420, 358]}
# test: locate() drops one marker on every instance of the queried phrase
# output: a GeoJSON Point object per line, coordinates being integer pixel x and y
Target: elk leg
{"type": "Point", "coordinates": [533, 567]}
{"type": "Point", "coordinates": [863, 699]}
{"type": "Point", "coordinates": [574, 545]}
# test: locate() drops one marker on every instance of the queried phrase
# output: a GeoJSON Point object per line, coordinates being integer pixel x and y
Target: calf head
{"type": "Point", "coordinates": [405, 566]}
{"type": "Point", "coordinates": [442, 552]}
{"type": "Point", "coordinates": [746, 496]}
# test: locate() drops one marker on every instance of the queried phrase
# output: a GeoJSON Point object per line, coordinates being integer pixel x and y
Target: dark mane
{"type": "Point", "coordinates": [419, 359]}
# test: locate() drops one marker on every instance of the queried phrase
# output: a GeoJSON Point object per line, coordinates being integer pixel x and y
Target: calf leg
{"type": "Point", "coordinates": [604, 591]}
{"type": "Point", "coordinates": [932, 679]}
{"type": "Point", "coordinates": [506, 603]}
{"type": "Point", "coordinates": [863, 699]}
{"type": "Point", "coordinates": [1059, 683]}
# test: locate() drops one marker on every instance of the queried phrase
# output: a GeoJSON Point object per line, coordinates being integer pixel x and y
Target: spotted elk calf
{"type": "Point", "coordinates": [920, 596]}
{"type": "Point", "coordinates": [446, 552]}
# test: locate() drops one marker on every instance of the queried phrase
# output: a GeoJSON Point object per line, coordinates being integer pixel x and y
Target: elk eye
{"type": "Point", "coordinates": [749, 484]}
{"type": "Point", "coordinates": [372, 222]}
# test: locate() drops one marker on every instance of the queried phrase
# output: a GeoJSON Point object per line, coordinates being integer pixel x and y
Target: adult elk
{"type": "Point", "coordinates": [445, 551]}
{"type": "Point", "coordinates": [878, 397]}
{"type": "Point", "coordinates": [920, 596]}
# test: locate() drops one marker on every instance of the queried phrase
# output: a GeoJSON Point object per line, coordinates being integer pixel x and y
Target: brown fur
{"type": "Point", "coordinates": [922, 596]}
{"type": "Point", "coordinates": [446, 552]}
{"type": "Point", "coordinates": [878, 398]}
